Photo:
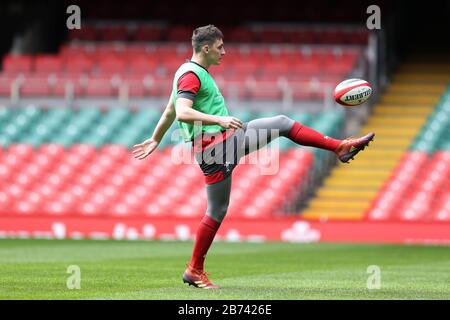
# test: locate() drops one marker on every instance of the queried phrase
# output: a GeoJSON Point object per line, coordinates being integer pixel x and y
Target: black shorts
{"type": "Point", "coordinates": [218, 161]}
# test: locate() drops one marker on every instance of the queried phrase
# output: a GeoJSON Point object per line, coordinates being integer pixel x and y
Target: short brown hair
{"type": "Point", "coordinates": [205, 35]}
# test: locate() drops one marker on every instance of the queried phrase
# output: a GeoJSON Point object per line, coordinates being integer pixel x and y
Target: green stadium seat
{"type": "Point", "coordinates": [267, 114]}
{"type": "Point", "coordinates": [31, 112]}
{"type": "Point", "coordinates": [243, 115]}
{"type": "Point", "coordinates": [5, 113]}
{"type": "Point", "coordinates": [115, 117]}
{"type": "Point", "coordinates": [34, 140]}
{"type": "Point", "coordinates": [167, 140]}
{"type": "Point", "coordinates": [64, 140]}
{"type": "Point", "coordinates": [434, 133]}
{"type": "Point", "coordinates": [5, 141]}
{"type": "Point", "coordinates": [146, 116]}
{"type": "Point", "coordinates": [58, 115]}
{"type": "Point", "coordinates": [286, 143]}
{"type": "Point", "coordinates": [303, 118]}
{"type": "Point", "coordinates": [445, 144]}
{"type": "Point", "coordinates": [120, 125]}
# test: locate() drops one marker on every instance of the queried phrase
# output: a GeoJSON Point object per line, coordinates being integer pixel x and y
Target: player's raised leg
{"type": "Point", "coordinates": [344, 149]}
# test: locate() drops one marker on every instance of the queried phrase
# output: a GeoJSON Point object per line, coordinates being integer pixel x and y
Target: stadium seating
{"type": "Point", "coordinates": [435, 134]}
{"type": "Point", "coordinates": [82, 180]}
{"type": "Point", "coordinates": [84, 153]}
{"type": "Point", "coordinates": [142, 70]}
{"type": "Point", "coordinates": [94, 126]}
{"type": "Point", "coordinates": [105, 59]}
{"type": "Point", "coordinates": [417, 191]}
{"type": "Point", "coordinates": [61, 161]}
{"type": "Point", "coordinates": [413, 113]}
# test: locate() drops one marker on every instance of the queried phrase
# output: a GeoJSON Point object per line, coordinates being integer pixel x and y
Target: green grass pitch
{"type": "Point", "coordinates": [37, 269]}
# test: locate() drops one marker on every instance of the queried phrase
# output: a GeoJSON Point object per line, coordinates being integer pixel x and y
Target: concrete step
{"type": "Point", "coordinates": [319, 214]}
{"type": "Point", "coordinates": [417, 99]}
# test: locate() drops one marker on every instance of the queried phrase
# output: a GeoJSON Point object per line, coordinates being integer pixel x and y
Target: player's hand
{"type": "Point", "coordinates": [230, 123]}
{"type": "Point", "coordinates": [142, 150]}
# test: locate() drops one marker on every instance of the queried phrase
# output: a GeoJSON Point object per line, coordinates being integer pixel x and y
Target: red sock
{"type": "Point", "coordinates": [308, 137]}
{"type": "Point", "coordinates": [205, 236]}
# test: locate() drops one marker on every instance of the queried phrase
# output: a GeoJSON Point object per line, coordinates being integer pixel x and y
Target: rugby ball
{"type": "Point", "coordinates": [352, 92]}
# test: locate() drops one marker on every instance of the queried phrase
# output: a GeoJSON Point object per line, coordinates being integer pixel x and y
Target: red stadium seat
{"type": "Point", "coordinates": [143, 65]}
{"type": "Point", "coordinates": [78, 64]}
{"type": "Point", "coordinates": [300, 36]}
{"type": "Point", "coordinates": [113, 33]}
{"type": "Point", "coordinates": [147, 33]}
{"type": "Point", "coordinates": [35, 198]}
{"type": "Point", "coordinates": [6, 82]}
{"type": "Point", "coordinates": [21, 150]}
{"type": "Point", "coordinates": [68, 84]}
{"type": "Point", "coordinates": [265, 91]}
{"type": "Point", "coordinates": [179, 33]}
{"type": "Point", "coordinates": [307, 67]}
{"type": "Point", "coordinates": [17, 63]}
{"type": "Point", "coordinates": [135, 85]}
{"type": "Point", "coordinates": [240, 34]}
{"type": "Point", "coordinates": [120, 210]}
{"type": "Point", "coordinates": [89, 209]}
{"type": "Point", "coordinates": [64, 170]}
{"type": "Point", "coordinates": [79, 192]}
{"type": "Point", "coordinates": [48, 64]}
{"type": "Point", "coordinates": [154, 210]}
{"type": "Point", "coordinates": [75, 161]}
{"type": "Point", "coordinates": [111, 65]}
{"type": "Point", "coordinates": [358, 37]}
{"type": "Point", "coordinates": [53, 150]}
{"type": "Point", "coordinates": [87, 32]}
{"type": "Point", "coordinates": [87, 152]}
{"type": "Point", "coordinates": [115, 151]}
{"type": "Point", "coordinates": [35, 86]}
{"type": "Point", "coordinates": [106, 50]}
{"type": "Point", "coordinates": [276, 68]}
{"type": "Point", "coordinates": [331, 36]}
{"type": "Point", "coordinates": [57, 208]}
{"type": "Point", "coordinates": [24, 180]}
{"type": "Point", "coordinates": [442, 208]}
{"type": "Point", "coordinates": [101, 86]}
{"type": "Point", "coordinates": [273, 36]}
{"type": "Point", "coordinates": [24, 207]}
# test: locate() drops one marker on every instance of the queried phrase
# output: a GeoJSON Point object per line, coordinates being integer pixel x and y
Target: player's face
{"type": "Point", "coordinates": [216, 52]}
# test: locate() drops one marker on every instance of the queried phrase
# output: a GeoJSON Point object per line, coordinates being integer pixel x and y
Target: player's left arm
{"type": "Point", "coordinates": [142, 150]}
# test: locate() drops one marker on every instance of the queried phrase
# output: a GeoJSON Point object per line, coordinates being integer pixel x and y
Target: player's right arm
{"type": "Point", "coordinates": [185, 113]}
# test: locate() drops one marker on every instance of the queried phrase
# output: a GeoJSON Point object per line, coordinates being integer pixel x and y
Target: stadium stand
{"type": "Point", "coordinates": [71, 157]}
{"type": "Point", "coordinates": [390, 182]}
{"type": "Point", "coordinates": [110, 59]}
{"type": "Point", "coordinates": [142, 70]}
{"type": "Point", "coordinates": [105, 60]}
{"type": "Point", "coordinates": [106, 181]}
{"type": "Point", "coordinates": [418, 188]}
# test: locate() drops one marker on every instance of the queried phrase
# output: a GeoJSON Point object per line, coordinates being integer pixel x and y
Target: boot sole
{"type": "Point", "coordinates": [350, 156]}
{"type": "Point", "coordinates": [190, 283]}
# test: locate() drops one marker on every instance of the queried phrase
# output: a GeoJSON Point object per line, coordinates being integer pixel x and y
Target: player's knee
{"type": "Point", "coordinates": [285, 123]}
{"type": "Point", "coordinates": [218, 213]}
{"type": "Point", "coordinates": [223, 211]}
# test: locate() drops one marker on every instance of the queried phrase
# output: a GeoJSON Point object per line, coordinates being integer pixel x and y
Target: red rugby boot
{"type": "Point", "coordinates": [198, 279]}
{"type": "Point", "coordinates": [351, 146]}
